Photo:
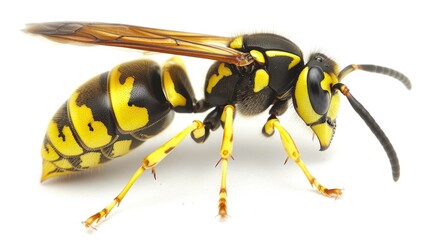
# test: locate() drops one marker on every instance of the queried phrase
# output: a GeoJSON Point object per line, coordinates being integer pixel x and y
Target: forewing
{"type": "Point", "coordinates": [142, 38]}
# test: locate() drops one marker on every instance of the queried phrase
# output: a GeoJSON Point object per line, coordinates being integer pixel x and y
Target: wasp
{"type": "Point", "coordinates": [117, 111]}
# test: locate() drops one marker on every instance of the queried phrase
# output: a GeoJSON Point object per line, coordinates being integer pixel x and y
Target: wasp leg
{"type": "Point", "coordinates": [148, 163]}
{"type": "Point", "coordinates": [292, 151]}
{"type": "Point", "coordinates": [225, 153]}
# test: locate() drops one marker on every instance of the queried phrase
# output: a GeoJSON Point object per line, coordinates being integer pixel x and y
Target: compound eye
{"type": "Point", "coordinates": [319, 97]}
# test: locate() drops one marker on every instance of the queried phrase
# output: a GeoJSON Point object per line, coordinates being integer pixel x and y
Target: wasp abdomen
{"type": "Point", "coordinates": [105, 118]}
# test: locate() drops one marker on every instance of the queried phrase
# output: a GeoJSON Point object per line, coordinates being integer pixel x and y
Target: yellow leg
{"type": "Point", "coordinates": [225, 153]}
{"type": "Point", "coordinates": [148, 163]}
{"type": "Point", "coordinates": [292, 151]}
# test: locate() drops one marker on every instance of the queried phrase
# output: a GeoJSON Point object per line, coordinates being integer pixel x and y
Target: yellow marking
{"type": "Point", "coordinates": [334, 78]}
{"type": "Point", "coordinates": [304, 108]}
{"type": "Point", "coordinates": [121, 147]}
{"type": "Point", "coordinates": [327, 82]}
{"type": "Point", "coordinates": [261, 80]}
{"type": "Point", "coordinates": [90, 159]}
{"type": "Point", "coordinates": [334, 106]}
{"type": "Point", "coordinates": [48, 153]}
{"type": "Point", "coordinates": [237, 43]}
{"type": "Point", "coordinates": [324, 133]}
{"type": "Point", "coordinates": [258, 56]}
{"type": "Point", "coordinates": [215, 78]}
{"type": "Point", "coordinates": [175, 98]}
{"type": "Point", "coordinates": [64, 142]}
{"type": "Point", "coordinates": [63, 164]}
{"type": "Point", "coordinates": [129, 118]}
{"type": "Point", "coordinates": [92, 133]}
{"type": "Point", "coordinates": [295, 59]}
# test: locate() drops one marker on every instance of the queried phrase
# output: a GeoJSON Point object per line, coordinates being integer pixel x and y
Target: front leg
{"type": "Point", "coordinates": [291, 149]}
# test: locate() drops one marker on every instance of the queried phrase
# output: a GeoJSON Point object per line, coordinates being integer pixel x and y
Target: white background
{"type": "Point", "coordinates": [266, 199]}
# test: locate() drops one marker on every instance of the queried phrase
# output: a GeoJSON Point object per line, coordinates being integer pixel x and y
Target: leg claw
{"type": "Point", "coordinates": [333, 193]}
{"type": "Point", "coordinates": [94, 219]}
{"type": "Point", "coordinates": [91, 220]}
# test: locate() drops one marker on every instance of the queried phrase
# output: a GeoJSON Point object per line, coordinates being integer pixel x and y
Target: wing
{"type": "Point", "coordinates": [142, 38]}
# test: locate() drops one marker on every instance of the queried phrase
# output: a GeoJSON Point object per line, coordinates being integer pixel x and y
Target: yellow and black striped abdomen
{"type": "Point", "coordinates": [105, 118]}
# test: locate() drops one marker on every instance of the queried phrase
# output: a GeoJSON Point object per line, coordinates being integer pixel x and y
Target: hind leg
{"type": "Point", "coordinates": [148, 162]}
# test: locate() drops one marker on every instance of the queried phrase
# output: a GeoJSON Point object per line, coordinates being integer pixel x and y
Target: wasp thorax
{"type": "Point", "coordinates": [314, 98]}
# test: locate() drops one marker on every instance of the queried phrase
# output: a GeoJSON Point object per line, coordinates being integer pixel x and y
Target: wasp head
{"type": "Point", "coordinates": [315, 99]}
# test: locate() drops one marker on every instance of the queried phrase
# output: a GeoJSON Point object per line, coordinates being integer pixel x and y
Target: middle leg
{"type": "Point", "coordinates": [225, 153]}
